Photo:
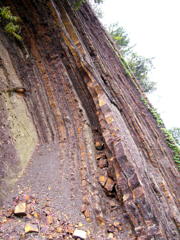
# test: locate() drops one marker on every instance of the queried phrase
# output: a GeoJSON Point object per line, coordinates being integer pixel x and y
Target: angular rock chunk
{"type": "Point", "coordinates": [99, 145]}
{"type": "Point", "coordinates": [79, 234]}
{"type": "Point", "coordinates": [102, 163]}
{"type": "Point", "coordinates": [109, 185]}
{"type": "Point", "coordinates": [30, 228]}
{"type": "Point", "coordinates": [102, 180]}
{"type": "Point", "coordinates": [100, 155]}
{"type": "Point", "coordinates": [20, 209]}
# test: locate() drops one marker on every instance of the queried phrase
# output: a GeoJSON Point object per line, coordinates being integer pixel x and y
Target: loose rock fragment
{"type": "Point", "coordinates": [99, 145]}
{"type": "Point", "coordinates": [109, 185]}
{"type": "Point", "coordinates": [113, 204]}
{"type": "Point", "coordinates": [30, 228]}
{"type": "Point", "coordinates": [87, 213]}
{"type": "Point", "coordinates": [59, 229]}
{"type": "Point", "coordinates": [102, 180]}
{"type": "Point", "coordinates": [100, 155]}
{"type": "Point", "coordinates": [20, 209]}
{"type": "Point", "coordinates": [110, 236]}
{"type": "Point", "coordinates": [102, 163]}
{"type": "Point", "coordinates": [117, 225]}
{"type": "Point", "coordinates": [100, 220]}
{"type": "Point", "coordinates": [9, 212]}
{"type": "Point", "coordinates": [80, 234]}
{"type": "Point", "coordinates": [49, 219]}
{"type": "Point", "coordinates": [70, 229]}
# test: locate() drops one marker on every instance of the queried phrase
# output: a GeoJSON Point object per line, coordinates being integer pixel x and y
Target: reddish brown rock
{"type": "Point", "coordinates": [102, 163]}
{"type": "Point", "coordinates": [49, 219]}
{"type": "Point", "coordinates": [109, 185]}
{"type": "Point", "coordinates": [78, 83]}
{"type": "Point", "coordinates": [99, 145]}
{"type": "Point", "coordinates": [100, 155]}
{"type": "Point", "coordinates": [87, 213]}
{"type": "Point", "coordinates": [102, 180]}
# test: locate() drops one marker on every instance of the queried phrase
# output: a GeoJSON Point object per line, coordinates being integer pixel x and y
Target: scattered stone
{"type": "Point", "coordinates": [116, 223]}
{"type": "Point", "coordinates": [84, 183]}
{"type": "Point", "coordinates": [83, 208]}
{"type": "Point", "coordinates": [102, 180]}
{"type": "Point", "coordinates": [85, 199]}
{"type": "Point", "coordinates": [138, 192]}
{"type": "Point", "coordinates": [49, 219]}
{"type": "Point", "coordinates": [113, 204]}
{"type": "Point", "coordinates": [36, 215]}
{"type": "Point", "coordinates": [59, 229]}
{"type": "Point", "coordinates": [126, 197]}
{"type": "Point", "coordinates": [109, 185]}
{"type": "Point", "coordinates": [100, 220]}
{"type": "Point", "coordinates": [102, 163]}
{"type": "Point", "coordinates": [26, 197]}
{"type": "Point", "coordinates": [99, 145]}
{"type": "Point", "coordinates": [9, 213]}
{"type": "Point", "coordinates": [111, 228]}
{"type": "Point", "coordinates": [80, 224]}
{"type": "Point", "coordinates": [100, 155]}
{"type": "Point", "coordinates": [70, 229]}
{"type": "Point", "coordinates": [87, 213]}
{"type": "Point", "coordinates": [110, 236]}
{"type": "Point", "coordinates": [3, 220]}
{"type": "Point", "coordinates": [79, 234]}
{"type": "Point", "coordinates": [31, 228]}
{"type": "Point", "coordinates": [20, 209]}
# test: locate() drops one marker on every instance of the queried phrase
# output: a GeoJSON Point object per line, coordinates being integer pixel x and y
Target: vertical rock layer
{"type": "Point", "coordinates": [82, 126]}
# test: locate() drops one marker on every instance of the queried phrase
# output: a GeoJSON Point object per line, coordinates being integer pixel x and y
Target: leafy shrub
{"type": "Point", "coordinates": [9, 22]}
{"type": "Point", "coordinates": [171, 142]}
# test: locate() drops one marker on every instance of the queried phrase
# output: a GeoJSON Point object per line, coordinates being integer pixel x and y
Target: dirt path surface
{"type": "Point", "coordinates": [60, 197]}
{"type": "Point", "coordinates": [50, 179]}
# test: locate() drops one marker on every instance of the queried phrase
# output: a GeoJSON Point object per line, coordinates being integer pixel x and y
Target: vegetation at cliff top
{"type": "Point", "coordinates": [79, 3]}
{"type": "Point", "coordinates": [138, 65]}
{"type": "Point", "coordinates": [9, 22]}
{"type": "Point", "coordinates": [176, 134]}
{"type": "Point", "coordinates": [171, 141]}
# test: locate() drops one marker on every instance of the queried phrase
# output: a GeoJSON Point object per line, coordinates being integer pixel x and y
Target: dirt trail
{"type": "Point", "coordinates": [49, 179]}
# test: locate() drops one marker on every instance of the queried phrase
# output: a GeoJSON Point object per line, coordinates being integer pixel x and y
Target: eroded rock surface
{"type": "Point", "coordinates": [80, 141]}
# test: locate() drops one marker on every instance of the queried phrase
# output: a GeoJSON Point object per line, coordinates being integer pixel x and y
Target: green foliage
{"type": "Point", "coordinates": [154, 112]}
{"type": "Point", "coordinates": [98, 1]}
{"type": "Point", "coordinates": [13, 29]}
{"type": "Point", "coordinates": [173, 145]}
{"type": "Point", "coordinates": [141, 66]}
{"type": "Point", "coordinates": [125, 66]}
{"type": "Point", "coordinates": [79, 3]}
{"type": "Point", "coordinates": [176, 134]}
{"type": "Point", "coordinates": [120, 37]}
{"type": "Point", "coordinates": [138, 65]}
{"type": "Point", "coordinates": [170, 140]}
{"type": "Point", "coordinates": [9, 22]}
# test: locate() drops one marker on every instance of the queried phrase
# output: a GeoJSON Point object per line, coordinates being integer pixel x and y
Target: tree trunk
{"type": "Point", "coordinates": [80, 136]}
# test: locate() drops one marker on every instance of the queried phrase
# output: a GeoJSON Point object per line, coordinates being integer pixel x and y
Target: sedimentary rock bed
{"type": "Point", "coordinates": [79, 137]}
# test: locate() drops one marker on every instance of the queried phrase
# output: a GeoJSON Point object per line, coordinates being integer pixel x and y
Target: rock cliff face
{"type": "Point", "coordinates": [79, 135]}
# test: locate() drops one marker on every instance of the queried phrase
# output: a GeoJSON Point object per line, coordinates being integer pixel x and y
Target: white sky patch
{"type": "Point", "coordinates": [154, 26]}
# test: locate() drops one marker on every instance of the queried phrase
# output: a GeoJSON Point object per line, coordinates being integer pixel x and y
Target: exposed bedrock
{"type": "Point", "coordinates": [79, 134]}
